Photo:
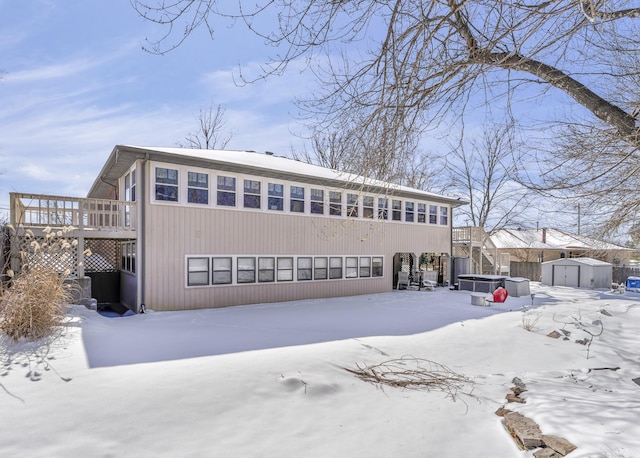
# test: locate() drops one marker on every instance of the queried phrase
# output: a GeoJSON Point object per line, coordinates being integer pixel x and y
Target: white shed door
{"type": "Point", "coordinates": [566, 276]}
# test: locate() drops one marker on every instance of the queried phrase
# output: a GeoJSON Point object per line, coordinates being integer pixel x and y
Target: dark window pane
{"type": "Point", "coordinates": [251, 201]}
{"type": "Point", "coordinates": [226, 198]}
{"type": "Point", "coordinates": [276, 190]}
{"type": "Point", "coordinates": [276, 203]}
{"type": "Point", "coordinates": [376, 267]}
{"type": "Point", "coordinates": [198, 196]}
{"type": "Point", "coordinates": [167, 193]}
{"type": "Point", "coordinates": [297, 192]}
{"type": "Point", "coordinates": [220, 278]}
{"type": "Point", "coordinates": [317, 208]}
{"type": "Point", "coordinates": [199, 180]}
{"type": "Point", "coordinates": [166, 176]}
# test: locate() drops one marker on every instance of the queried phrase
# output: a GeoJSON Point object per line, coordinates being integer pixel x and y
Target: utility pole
{"type": "Point", "coordinates": [578, 219]}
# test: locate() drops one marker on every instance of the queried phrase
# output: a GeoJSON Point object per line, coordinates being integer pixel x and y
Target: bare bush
{"type": "Point", "coordinates": [413, 373]}
{"type": "Point", "coordinates": [34, 304]}
{"type": "Point", "coordinates": [529, 320]}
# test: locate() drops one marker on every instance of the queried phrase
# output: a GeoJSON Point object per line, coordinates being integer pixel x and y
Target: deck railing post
{"type": "Point", "coordinates": [80, 248]}
{"type": "Point", "coordinates": [80, 215]}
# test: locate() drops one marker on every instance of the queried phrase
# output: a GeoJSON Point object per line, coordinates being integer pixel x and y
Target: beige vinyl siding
{"type": "Point", "coordinates": [175, 231]}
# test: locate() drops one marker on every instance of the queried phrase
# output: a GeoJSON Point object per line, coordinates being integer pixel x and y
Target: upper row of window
{"type": "Point", "coordinates": [230, 191]}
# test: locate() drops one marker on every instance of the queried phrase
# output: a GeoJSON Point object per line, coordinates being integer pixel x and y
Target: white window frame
{"type": "Point", "coordinates": [334, 266]}
{"type": "Point", "coordinates": [202, 268]}
{"type": "Point", "coordinates": [296, 199]}
{"type": "Point", "coordinates": [217, 268]}
{"type": "Point", "coordinates": [315, 200]}
{"type": "Point", "coordinates": [396, 210]}
{"type": "Point", "coordinates": [383, 208]}
{"type": "Point", "coordinates": [353, 206]}
{"type": "Point", "coordinates": [321, 263]}
{"type": "Point", "coordinates": [335, 203]}
{"type": "Point", "coordinates": [285, 268]}
{"type": "Point", "coordinates": [371, 207]}
{"type": "Point", "coordinates": [375, 259]}
{"type": "Point", "coordinates": [251, 193]}
{"type": "Point", "coordinates": [157, 184]}
{"type": "Point", "coordinates": [198, 187]}
{"type": "Point", "coordinates": [226, 191]}
{"type": "Point", "coordinates": [351, 267]}
{"type": "Point", "coordinates": [423, 213]}
{"type": "Point", "coordinates": [266, 264]}
{"type": "Point", "coordinates": [272, 196]}
{"type": "Point", "coordinates": [411, 211]}
{"type": "Point", "coordinates": [433, 214]}
{"type": "Point", "coordinates": [444, 216]}
{"type": "Point", "coordinates": [244, 265]}
{"type": "Point", "coordinates": [228, 270]}
{"type": "Point", "coordinates": [365, 267]}
{"type": "Point", "coordinates": [304, 271]}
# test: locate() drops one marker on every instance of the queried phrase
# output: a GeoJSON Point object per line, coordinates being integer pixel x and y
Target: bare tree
{"type": "Point", "coordinates": [481, 171]}
{"type": "Point", "coordinates": [212, 132]}
{"type": "Point", "coordinates": [425, 171]}
{"type": "Point", "coordinates": [429, 60]}
{"type": "Point", "coordinates": [332, 150]}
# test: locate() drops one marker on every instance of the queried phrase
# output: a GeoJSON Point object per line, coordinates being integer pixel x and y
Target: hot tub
{"type": "Point", "coordinates": [480, 283]}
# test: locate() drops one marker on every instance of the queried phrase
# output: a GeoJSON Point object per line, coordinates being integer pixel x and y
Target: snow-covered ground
{"type": "Point", "coordinates": [268, 380]}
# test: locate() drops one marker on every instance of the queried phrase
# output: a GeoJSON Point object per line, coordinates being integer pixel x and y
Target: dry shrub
{"type": "Point", "coordinates": [34, 305]}
{"type": "Point", "coordinates": [529, 320]}
{"type": "Point", "coordinates": [413, 373]}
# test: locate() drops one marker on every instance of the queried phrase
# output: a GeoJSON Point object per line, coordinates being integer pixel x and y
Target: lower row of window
{"type": "Point", "coordinates": [227, 270]}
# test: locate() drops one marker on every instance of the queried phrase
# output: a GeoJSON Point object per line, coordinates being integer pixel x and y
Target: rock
{"type": "Point", "coordinates": [526, 431]}
{"type": "Point", "coordinates": [605, 313]}
{"type": "Point", "coordinates": [501, 412]}
{"type": "Point", "coordinates": [519, 383]}
{"type": "Point", "coordinates": [546, 453]}
{"type": "Point", "coordinates": [553, 334]}
{"type": "Point", "coordinates": [512, 397]}
{"type": "Point", "coordinates": [559, 444]}
{"type": "Point", "coordinates": [517, 390]}
{"type": "Point", "coordinates": [636, 380]}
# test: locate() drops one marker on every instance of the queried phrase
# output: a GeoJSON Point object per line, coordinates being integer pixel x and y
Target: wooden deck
{"type": "Point", "coordinates": [94, 218]}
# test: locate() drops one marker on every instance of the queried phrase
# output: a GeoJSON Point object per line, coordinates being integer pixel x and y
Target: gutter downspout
{"type": "Point", "coordinates": [450, 266]}
{"type": "Point", "coordinates": [141, 243]}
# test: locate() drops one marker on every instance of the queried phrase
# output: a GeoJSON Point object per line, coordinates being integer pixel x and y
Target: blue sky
{"type": "Point", "coordinates": [76, 82]}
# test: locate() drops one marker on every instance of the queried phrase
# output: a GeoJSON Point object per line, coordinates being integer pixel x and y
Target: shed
{"type": "Point", "coordinates": [577, 273]}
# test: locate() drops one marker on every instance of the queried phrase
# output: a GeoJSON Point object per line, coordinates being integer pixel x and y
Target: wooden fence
{"type": "Point", "coordinates": [530, 270]}
{"type": "Point", "coordinates": [620, 274]}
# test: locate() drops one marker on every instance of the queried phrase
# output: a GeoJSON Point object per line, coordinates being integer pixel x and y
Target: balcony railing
{"type": "Point", "coordinates": [56, 211]}
{"type": "Point", "coordinates": [468, 234]}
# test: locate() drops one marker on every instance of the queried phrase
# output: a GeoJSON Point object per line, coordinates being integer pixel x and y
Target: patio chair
{"type": "Point", "coordinates": [429, 285]}
{"type": "Point", "coordinates": [415, 280]}
{"type": "Point", "coordinates": [403, 280]}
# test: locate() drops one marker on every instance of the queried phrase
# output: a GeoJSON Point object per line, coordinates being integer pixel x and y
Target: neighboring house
{"type": "Point", "coordinates": [195, 229]}
{"type": "Point", "coordinates": [541, 245]}
{"type": "Point", "coordinates": [521, 252]}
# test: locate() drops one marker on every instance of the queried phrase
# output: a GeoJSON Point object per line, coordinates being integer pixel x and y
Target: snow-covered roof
{"type": "Point", "coordinates": [584, 261]}
{"type": "Point", "coordinates": [246, 161]}
{"type": "Point", "coordinates": [547, 239]}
